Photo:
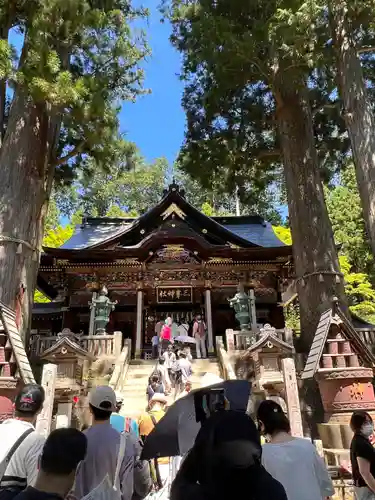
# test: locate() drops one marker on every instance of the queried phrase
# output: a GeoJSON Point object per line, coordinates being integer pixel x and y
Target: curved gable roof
{"type": "Point", "coordinates": [244, 232]}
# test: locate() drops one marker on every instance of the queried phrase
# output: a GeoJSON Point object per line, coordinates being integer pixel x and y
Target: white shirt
{"type": "Point", "coordinates": [183, 330]}
{"type": "Point", "coordinates": [298, 467]}
{"type": "Point", "coordinates": [23, 466]}
{"type": "Point", "coordinates": [170, 358]}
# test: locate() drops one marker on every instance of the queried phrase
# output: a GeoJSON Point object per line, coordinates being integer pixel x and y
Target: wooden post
{"type": "Point", "coordinates": [92, 316]}
{"type": "Point", "coordinates": [292, 398]}
{"type": "Point", "coordinates": [117, 340]}
{"type": "Point", "coordinates": [43, 423]}
{"type": "Point", "coordinates": [209, 320]}
{"type": "Point", "coordinates": [229, 335]}
{"type": "Point", "coordinates": [139, 325]}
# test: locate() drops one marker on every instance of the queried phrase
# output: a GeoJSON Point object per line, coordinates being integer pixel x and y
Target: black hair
{"type": "Point", "coordinates": [161, 361]}
{"type": "Point", "coordinates": [63, 451]}
{"type": "Point", "coordinates": [182, 355]}
{"type": "Point", "coordinates": [358, 418]}
{"type": "Point", "coordinates": [29, 400]}
{"type": "Point", "coordinates": [100, 414]}
{"type": "Point", "coordinates": [273, 418]}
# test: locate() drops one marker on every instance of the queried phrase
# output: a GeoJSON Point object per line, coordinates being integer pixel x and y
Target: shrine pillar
{"type": "Point", "coordinates": [253, 310]}
{"type": "Point", "coordinates": [209, 320]}
{"type": "Point", "coordinates": [139, 324]}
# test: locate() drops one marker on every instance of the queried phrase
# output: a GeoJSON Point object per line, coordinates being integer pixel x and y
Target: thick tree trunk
{"type": "Point", "coordinates": [359, 118]}
{"type": "Point", "coordinates": [315, 256]}
{"type": "Point", "coordinates": [25, 181]}
{"type": "Point", "coordinates": [313, 244]}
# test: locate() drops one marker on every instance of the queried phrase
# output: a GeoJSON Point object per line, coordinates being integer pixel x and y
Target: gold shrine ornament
{"type": "Point", "coordinates": [173, 209]}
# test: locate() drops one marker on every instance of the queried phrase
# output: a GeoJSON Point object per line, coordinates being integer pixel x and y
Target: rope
{"type": "Point", "coordinates": [318, 273]}
{"type": "Point", "coordinates": [19, 242]}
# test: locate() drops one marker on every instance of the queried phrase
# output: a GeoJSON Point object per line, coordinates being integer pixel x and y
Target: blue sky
{"type": "Point", "coordinates": [156, 121]}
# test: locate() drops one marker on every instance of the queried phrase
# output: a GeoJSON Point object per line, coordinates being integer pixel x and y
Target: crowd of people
{"type": "Point", "coordinates": [172, 372]}
{"type": "Point", "coordinates": [227, 459]}
{"type": "Point", "coordinates": [167, 332]}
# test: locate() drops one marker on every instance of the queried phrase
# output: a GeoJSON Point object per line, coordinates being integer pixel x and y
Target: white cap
{"type": "Point", "coordinates": [159, 398]}
{"type": "Point", "coordinates": [103, 394]}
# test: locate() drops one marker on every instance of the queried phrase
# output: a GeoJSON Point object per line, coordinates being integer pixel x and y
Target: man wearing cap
{"type": "Point", "coordinates": [20, 444]}
{"type": "Point", "coordinates": [103, 444]}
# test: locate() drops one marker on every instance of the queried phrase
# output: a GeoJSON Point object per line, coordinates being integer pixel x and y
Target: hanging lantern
{"type": "Point", "coordinates": [302, 282]}
{"type": "Point", "coordinates": [338, 279]}
{"type": "Point", "coordinates": [19, 249]}
{"type": "Point", "coordinates": [321, 279]}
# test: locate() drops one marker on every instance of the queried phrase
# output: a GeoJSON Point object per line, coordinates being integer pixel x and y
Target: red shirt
{"type": "Point", "coordinates": [166, 332]}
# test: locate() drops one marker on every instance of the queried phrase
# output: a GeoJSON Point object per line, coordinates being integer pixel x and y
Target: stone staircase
{"type": "Point", "coordinates": [134, 388]}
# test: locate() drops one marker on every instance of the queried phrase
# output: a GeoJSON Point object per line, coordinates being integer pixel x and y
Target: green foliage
{"type": "Point", "coordinates": [80, 58]}
{"type": "Point", "coordinates": [358, 287]}
{"type": "Point", "coordinates": [284, 234]}
{"type": "Point", "coordinates": [345, 211]}
{"type": "Point", "coordinates": [116, 191]}
{"type": "Point", "coordinates": [55, 237]}
{"type": "Point", "coordinates": [292, 317]}
{"type": "Point", "coordinates": [359, 290]}
{"type": "Point", "coordinates": [232, 51]}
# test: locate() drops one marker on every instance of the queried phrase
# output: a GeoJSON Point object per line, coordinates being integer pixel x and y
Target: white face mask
{"type": "Point", "coordinates": [367, 429]}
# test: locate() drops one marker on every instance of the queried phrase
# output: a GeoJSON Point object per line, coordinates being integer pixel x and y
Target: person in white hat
{"type": "Point", "coordinates": [103, 444]}
{"type": "Point", "coordinates": [156, 411]}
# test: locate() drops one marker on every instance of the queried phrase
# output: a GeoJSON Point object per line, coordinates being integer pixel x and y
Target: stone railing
{"type": "Point", "coordinates": [226, 367]}
{"type": "Point", "coordinates": [242, 341]}
{"type": "Point", "coordinates": [118, 377]}
{"type": "Point", "coordinates": [97, 345]}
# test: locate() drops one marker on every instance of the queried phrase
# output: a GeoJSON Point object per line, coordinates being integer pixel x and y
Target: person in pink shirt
{"type": "Point", "coordinates": [166, 334]}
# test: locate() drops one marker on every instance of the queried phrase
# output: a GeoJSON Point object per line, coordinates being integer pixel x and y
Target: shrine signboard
{"type": "Point", "coordinates": [174, 294]}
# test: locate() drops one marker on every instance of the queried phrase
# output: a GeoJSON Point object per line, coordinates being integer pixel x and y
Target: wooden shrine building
{"type": "Point", "coordinates": [172, 260]}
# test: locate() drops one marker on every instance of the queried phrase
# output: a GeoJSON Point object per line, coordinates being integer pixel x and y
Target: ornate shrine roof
{"type": "Point", "coordinates": [174, 216]}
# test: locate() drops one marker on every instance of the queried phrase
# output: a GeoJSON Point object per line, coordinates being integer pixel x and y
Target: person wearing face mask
{"type": "Point", "coordinates": [362, 456]}
{"type": "Point", "coordinates": [285, 453]}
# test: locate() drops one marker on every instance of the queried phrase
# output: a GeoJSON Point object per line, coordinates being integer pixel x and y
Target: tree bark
{"type": "Point", "coordinates": [314, 248]}
{"type": "Point", "coordinates": [26, 182]}
{"type": "Point", "coordinates": [313, 243]}
{"type": "Point", "coordinates": [359, 118]}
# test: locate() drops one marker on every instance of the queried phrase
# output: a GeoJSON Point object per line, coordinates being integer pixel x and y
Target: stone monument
{"type": "Point", "coordinates": [102, 307]}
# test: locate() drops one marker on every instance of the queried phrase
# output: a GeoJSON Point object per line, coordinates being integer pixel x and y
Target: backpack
{"type": "Point", "coordinates": [11, 492]}
{"type": "Point", "coordinates": [105, 489]}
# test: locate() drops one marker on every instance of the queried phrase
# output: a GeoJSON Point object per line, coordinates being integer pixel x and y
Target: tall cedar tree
{"type": "Point", "coordinates": [78, 59]}
{"type": "Point", "coordinates": [248, 95]}
{"type": "Point", "coordinates": [350, 23]}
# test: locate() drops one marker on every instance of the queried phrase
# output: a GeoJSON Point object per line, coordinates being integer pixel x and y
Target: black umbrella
{"type": "Point", "coordinates": [175, 433]}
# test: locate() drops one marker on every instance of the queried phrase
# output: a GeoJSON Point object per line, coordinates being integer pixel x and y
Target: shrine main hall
{"type": "Point", "coordinates": [171, 261]}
